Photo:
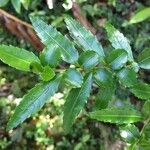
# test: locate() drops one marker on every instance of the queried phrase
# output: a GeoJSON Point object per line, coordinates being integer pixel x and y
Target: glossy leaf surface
{"type": "Point", "coordinates": [103, 77]}
{"type": "Point", "coordinates": [76, 101]}
{"type": "Point", "coordinates": [84, 37]}
{"type": "Point", "coordinates": [51, 37]}
{"type": "Point", "coordinates": [26, 3]}
{"type": "Point", "coordinates": [74, 77]}
{"type": "Point", "coordinates": [17, 5]}
{"type": "Point", "coordinates": [104, 96]}
{"type": "Point", "coordinates": [141, 90]}
{"type": "Point", "coordinates": [140, 16]}
{"type": "Point", "coordinates": [51, 55]}
{"type": "Point", "coordinates": [127, 77]}
{"type": "Point", "coordinates": [130, 133]}
{"type": "Point", "coordinates": [118, 40]}
{"type": "Point", "coordinates": [117, 59]}
{"type": "Point", "coordinates": [146, 109]}
{"type": "Point", "coordinates": [33, 101]}
{"type": "Point", "coordinates": [47, 73]}
{"type": "Point", "coordinates": [3, 3]}
{"type": "Point", "coordinates": [18, 58]}
{"type": "Point", "coordinates": [144, 59]}
{"type": "Point", "coordinates": [35, 67]}
{"type": "Point", "coordinates": [88, 59]}
{"type": "Point", "coordinates": [116, 115]}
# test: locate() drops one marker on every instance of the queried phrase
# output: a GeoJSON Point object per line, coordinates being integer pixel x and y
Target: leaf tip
{"type": "Point", "coordinates": [107, 24]}
{"type": "Point", "coordinates": [67, 17]}
{"type": "Point", "coordinates": [109, 27]}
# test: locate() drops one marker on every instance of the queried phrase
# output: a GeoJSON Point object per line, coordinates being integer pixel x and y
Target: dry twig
{"type": "Point", "coordinates": [20, 29]}
{"type": "Point", "coordinates": [83, 20]}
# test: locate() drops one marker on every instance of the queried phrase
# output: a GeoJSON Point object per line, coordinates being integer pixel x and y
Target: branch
{"type": "Point", "coordinates": [83, 20]}
{"type": "Point", "coordinates": [20, 29]}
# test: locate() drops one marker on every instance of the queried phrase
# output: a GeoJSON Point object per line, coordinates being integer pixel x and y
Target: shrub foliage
{"type": "Point", "coordinates": [90, 67]}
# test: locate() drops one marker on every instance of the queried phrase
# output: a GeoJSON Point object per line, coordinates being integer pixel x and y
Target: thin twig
{"type": "Point", "coordinates": [4, 13]}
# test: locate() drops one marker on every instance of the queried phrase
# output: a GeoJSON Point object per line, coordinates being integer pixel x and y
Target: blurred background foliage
{"type": "Point", "coordinates": [44, 130]}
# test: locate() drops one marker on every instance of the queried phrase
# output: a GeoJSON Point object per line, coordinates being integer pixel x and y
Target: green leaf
{"type": "Point", "coordinates": [146, 109]}
{"type": "Point", "coordinates": [36, 67]}
{"type": "Point", "coordinates": [47, 73]}
{"type": "Point", "coordinates": [130, 133]}
{"type": "Point", "coordinates": [144, 59]}
{"type": "Point", "coordinates": [17, 5]}
{"type": "Point", "coordinates": [146, 131]}
{"type": "Point", "coordinates": [141, 90]}
{"type": "Point", "coordinates": [50, 55]}
{"type": "Point", "coordinates": [3, 3]}
{"type": "Point", "coordinates": [17, 57]}
{"type": "Point", "coordinates": [112, 2]}
{"type": "Point", "coordinates": [88, 59]}
{"type": "Point", "coordinates": [26, 3]}
{"type": "Point", "coordinates": [140, 16]}
{"type": "Point", "coordinates": [73, 77]}
{"type": "Point", "coordinates": [117, 58]}
{"type": "Point", "coordinates": [118, 40]}
{"type": "Point", "coordinates": [144, 144]}
{"type": "Point", "coordinates": [103, 77]}
{"type": "Point", "coordinates": [135, 66]}
{"type": "Point", "coordinates": [118, 115]}
{"type": "Point", "coordinates": [84, 37]}
{"type": "Point", "coordinates": [104, 96]}
{"type": "Point", "coordinates": [50, 36]}
{"type": "Point", "coordinates": [33, 101]}
{"type": "Point", "coordinates": [127, 77]}
{"type": "Point", "coordinates": [76, 101]}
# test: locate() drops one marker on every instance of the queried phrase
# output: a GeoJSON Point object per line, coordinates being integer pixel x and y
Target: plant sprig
{"type": "Point", "coordinates": [92, 66]}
